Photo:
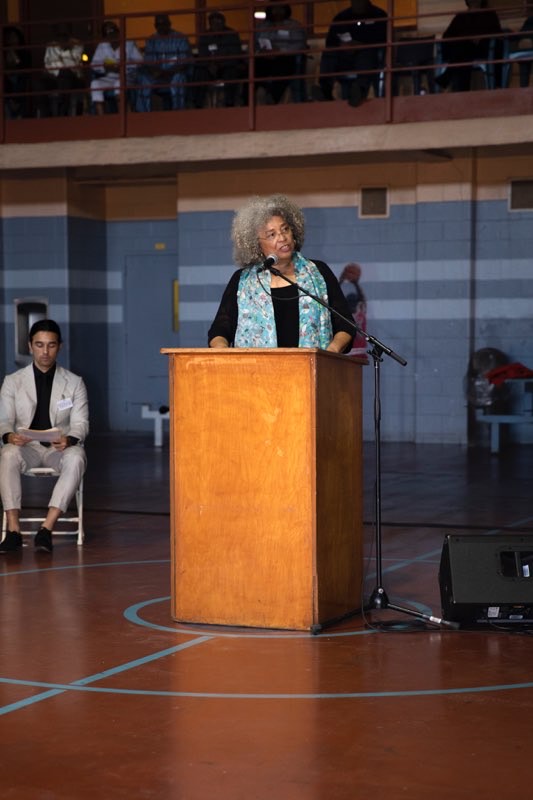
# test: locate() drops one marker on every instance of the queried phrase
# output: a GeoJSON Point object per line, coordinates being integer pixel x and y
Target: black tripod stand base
{"type": "Point", "coordinates": [319, 627]}
{"type": "Point", "coordinates": [379, 601]}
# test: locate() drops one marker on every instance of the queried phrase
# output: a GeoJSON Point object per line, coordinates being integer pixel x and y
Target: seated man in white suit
{"type": "Point", "coordinates": [38, 397]}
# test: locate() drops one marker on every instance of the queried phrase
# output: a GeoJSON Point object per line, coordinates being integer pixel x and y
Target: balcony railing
{"type": "Point", "coordinates": [209, 86]}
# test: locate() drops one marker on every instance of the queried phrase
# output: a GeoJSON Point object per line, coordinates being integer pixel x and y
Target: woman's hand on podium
{"type": "Point", "coordinates": [218, 342]}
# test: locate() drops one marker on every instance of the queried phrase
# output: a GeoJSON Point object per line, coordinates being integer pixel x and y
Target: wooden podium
{"type": "Point", "coordinates": [265, 486]}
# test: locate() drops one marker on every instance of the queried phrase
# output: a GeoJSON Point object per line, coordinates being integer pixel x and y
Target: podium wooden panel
{"type": "Point", "coordinates": [266, 486]}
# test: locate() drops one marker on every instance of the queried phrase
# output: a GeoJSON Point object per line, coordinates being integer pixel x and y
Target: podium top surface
{"type": "Point", "coordinates": [233, 352]}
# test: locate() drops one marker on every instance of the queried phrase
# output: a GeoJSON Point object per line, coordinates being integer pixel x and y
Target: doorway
{"type": "Point", "coordinates": [148, 318]}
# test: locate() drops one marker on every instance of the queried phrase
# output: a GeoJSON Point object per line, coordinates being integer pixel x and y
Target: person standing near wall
{"type": "Point", "coordinates": [350, 277]}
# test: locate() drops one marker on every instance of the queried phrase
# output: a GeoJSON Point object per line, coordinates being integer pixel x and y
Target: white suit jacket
{"type": "Point", "coordinates": [106, 52]}
{"type": "Point", "coordinates": [69, 410]}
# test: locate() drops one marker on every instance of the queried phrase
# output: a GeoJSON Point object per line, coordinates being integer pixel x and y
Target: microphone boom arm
{"type": "Point", "coordinates": [379, 346]}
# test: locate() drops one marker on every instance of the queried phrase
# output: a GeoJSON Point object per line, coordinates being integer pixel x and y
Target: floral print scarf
{"type": "Point", "coordinates": [256, 325]}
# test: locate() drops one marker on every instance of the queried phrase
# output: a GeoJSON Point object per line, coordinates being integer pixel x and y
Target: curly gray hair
{"type": "Point", "coordinates": [255, 215]}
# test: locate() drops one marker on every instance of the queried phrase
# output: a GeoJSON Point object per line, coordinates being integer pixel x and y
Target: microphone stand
{"type": "Point", "coordinates": [378, 599]}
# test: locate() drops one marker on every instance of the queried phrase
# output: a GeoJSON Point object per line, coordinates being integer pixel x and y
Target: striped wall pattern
{"type": "Point", "coordinates": [448, 272]}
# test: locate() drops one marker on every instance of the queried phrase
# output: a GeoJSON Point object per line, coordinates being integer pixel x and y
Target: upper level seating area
{"type": "Point", "coordinates": [262, 66]}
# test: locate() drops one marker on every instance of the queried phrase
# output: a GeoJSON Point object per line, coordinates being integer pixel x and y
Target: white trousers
{"type": "Point", "coordinates": [15, 460]}
{"type": "Point", "coordinates": [104, 84]}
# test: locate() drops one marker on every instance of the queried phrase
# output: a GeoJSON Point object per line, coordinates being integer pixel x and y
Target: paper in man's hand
{"type": "Point", "coordinates": [48, 435]}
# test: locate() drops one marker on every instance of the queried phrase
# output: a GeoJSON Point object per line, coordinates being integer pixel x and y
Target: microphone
{"type": "Point", "coordinates": [267, 263]}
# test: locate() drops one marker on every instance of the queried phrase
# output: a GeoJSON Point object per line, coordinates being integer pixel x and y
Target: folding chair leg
{"type": "Point", "coordinates": [80, 532]}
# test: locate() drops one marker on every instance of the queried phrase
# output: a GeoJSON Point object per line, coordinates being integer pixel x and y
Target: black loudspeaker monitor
{"type": "Point", "coordinates": [487, 579]}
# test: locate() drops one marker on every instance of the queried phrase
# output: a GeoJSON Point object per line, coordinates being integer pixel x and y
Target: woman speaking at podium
{"type": "Point", "coordinates": [259, 308]}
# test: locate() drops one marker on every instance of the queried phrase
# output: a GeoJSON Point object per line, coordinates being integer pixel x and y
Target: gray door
{"type": "Point", "coordinates": [148, 327]}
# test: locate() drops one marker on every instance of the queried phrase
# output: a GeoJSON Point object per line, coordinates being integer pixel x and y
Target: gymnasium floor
{"type": "Point", "coordinates": [103, 696]}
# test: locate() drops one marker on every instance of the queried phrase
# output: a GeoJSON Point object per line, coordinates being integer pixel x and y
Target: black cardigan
{"type": "Point", "coordinates": [285, 310]}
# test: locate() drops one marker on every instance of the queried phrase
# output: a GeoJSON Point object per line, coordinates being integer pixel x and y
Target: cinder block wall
{"type": "Point", "coordinates": [446, 272]}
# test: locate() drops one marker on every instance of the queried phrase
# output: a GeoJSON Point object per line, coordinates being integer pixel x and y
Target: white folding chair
{"type": "Point", "coordinates": [48, 472]}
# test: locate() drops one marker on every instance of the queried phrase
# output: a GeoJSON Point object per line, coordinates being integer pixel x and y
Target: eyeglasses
{"type": "Point", "coordinates": [271, 236]}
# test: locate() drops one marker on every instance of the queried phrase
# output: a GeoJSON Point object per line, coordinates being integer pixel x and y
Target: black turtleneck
{"type": "Point", "coordinates": [43, 386]}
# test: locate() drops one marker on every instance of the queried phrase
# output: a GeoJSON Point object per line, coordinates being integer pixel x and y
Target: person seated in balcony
{"type": "Point", "coordinates": [361, 24]}
{"type": "Point", "coordinates": [477, 24]}
{"type": "Point", "coordinates": [105, 65]}
{"type": "Point", "coordinates": [167, 65]}
{"type": "Point", "coordinates": [63, 75]}
{"type": "Point", "coordinates": [222, 42]}
{"type": "Point", "coordinates": [16, 80]}
{"type": "Point", "coordinates": [524, 65]}
{"type": "Point", "coordinates": [285, 37]}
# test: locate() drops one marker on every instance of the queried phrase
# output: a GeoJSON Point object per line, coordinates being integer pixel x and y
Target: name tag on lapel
{"type": "Point", "coordinates": [65, 403]}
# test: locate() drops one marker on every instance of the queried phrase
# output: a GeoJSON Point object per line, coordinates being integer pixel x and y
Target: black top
{"type": "Point", "coordinates": [364, 27]}
{"type": "Point", "coordinates": [43, 386]}
{"type": "Point", "coordinates": [227, 43]}
{"type": "Point", "coordinates": [286, 312]}
{"type": "Point", "coordinates": [475, 24]}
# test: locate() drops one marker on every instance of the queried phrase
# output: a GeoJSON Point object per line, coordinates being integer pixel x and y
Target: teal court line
{"type": "Point", "coordinates": [132, 615]}
{"type": "Point", "coordinates": [82, 684]}
{"type": "Point", "coordinates": [59, 688]}
{"type": "Point", "coordinates": [37, 570]}
{"type": "Point", "coordinates": [56, 689]}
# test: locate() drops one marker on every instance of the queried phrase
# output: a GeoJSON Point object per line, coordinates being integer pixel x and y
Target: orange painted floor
{"type": "Point", "coordinates": [103, 696]}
